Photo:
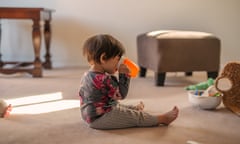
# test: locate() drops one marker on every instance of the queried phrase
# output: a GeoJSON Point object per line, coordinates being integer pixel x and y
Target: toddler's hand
{"type": "Point", "coordinates": [123, 69]}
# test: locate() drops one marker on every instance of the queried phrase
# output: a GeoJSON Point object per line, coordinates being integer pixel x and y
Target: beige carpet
{"type": "Point", "coordinates": [56, 119]}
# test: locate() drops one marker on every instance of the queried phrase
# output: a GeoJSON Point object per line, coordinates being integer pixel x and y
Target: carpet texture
{"type": "Point", "coordinates": [46, 110]}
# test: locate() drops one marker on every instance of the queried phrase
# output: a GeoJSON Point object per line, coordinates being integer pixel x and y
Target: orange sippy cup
{"type": "Point", "coordinates": [134, 69]}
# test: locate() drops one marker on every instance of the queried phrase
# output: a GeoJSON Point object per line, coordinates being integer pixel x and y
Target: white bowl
{"type": "Point", "coordinates": [204, 102]}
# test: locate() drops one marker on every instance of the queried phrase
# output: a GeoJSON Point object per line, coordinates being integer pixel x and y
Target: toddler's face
{"type": "Point", "coordinates": [110, 66]}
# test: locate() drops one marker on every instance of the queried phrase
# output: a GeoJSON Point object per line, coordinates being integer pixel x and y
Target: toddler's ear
{"type": "Point", "coordinates": [103, 58]}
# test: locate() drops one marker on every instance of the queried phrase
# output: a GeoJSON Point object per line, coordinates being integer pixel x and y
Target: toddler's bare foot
{"type": "Point", "coordinates": [140, 106]}
{"type": "Point", "coordinates": [168, 117]}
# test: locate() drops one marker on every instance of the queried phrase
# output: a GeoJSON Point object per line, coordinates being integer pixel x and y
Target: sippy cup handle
{"type": "Point", "coordinates": [134, 69]}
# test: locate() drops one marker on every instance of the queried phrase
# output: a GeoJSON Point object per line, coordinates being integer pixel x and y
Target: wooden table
{"type": "Point", "coordinates": [36, 15]}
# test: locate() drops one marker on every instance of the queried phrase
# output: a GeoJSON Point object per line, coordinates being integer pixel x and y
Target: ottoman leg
{"type": "Point", "coordinates": [188, 73]}
{"type": "Point", "coordinates": [142, 72]}
{"type": "Point", "coordinates": [212, 74]}
{"type": "Point", "coordinates": [160, 78]}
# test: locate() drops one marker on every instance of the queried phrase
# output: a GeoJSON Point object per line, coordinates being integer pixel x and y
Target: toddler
{"type": "Point", "coordinates": [100, 90]}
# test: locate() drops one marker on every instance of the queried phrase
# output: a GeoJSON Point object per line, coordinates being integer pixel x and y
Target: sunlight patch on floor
{"type": "Point", "coordinates": [39, 104]}
{"type": "Point", "coordinates": [46, 107]}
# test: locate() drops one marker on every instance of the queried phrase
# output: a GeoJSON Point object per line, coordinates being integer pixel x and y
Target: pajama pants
{"type": "Point", "coordinates": [124, 116]}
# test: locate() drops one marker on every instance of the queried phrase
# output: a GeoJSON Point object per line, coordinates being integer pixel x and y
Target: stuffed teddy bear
{"type": "Point", "coordinates": [228, 83]}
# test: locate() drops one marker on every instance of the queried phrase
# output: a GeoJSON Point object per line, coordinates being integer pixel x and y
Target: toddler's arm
{"type": "Point", "coordinates": [124, 80]}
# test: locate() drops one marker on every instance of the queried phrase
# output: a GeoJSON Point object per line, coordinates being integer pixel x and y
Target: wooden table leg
{"type": "Point", "coordinates": [1, 63]}
{"type": "Point", "coordinates": [47, 35]}
{"type": "Point", "coordinates": [36, 37]}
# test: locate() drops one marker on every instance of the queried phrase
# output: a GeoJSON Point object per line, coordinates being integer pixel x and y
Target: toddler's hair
{"type": "Point", "coordinates": [100, 44]}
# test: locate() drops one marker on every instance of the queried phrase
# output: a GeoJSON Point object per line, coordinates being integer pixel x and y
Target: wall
{"type": "Point", "coordinates": [75, 20]}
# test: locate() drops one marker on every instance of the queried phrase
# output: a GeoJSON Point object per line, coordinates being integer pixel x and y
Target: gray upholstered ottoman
{"type": "Point", "coordinates": [178, 51]}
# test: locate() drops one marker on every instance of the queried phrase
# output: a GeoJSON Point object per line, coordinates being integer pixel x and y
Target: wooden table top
{"type": "Point", "coordinates": [36, 13]}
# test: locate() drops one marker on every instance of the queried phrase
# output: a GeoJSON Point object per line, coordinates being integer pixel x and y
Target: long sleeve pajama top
{"type": "Point", "coordinates": [99, 92]}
